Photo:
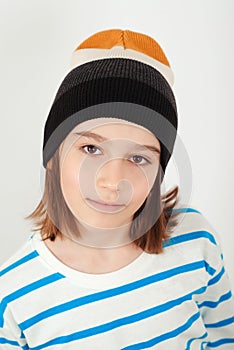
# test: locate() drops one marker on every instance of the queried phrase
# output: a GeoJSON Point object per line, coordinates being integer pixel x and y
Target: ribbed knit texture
{"type": "Point", "coordinates": [122, 77]}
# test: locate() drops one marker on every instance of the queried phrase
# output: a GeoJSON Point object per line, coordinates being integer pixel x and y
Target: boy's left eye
{"type": "Point", "coordinates": [93, 147]}
{"type": "Point", "coordinates": [145, 159]}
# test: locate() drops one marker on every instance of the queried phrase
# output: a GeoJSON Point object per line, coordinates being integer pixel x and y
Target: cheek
{"type": "Point", "coordinates": [140, 186]}
{"type": "Point", "coordinates": [69, 178]}
{"type": "Point", "coordinates": [141, 192]}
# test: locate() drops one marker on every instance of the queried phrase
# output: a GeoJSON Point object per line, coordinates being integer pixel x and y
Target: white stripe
{"type": "Point", "coordinates": [82, 56]}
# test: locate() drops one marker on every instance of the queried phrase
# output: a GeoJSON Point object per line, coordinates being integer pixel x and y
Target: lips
{"type": "Point", "coordinates": [110, 207]}
{"type": "Point", "coordinates": [105, 203]}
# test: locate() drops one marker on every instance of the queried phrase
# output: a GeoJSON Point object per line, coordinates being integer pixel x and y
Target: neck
{"type": "Point", "coordinates": [100, 238]}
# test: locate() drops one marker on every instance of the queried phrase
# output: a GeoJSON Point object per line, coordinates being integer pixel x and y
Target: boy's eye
{"type": "Point", "coordinates": [91, 149]}
{"type": "Point", "coordinates": [142, 158]}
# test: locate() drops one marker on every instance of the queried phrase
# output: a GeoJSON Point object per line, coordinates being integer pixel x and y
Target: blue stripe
{"type": "Point", "coordinates": [188, 346]}
{"type": "Point", "coordinates": [25, 290]}
{"type": "Point", "coordinates": [221, 342]}
{"type": "Point", "coordinates": [209, 268]}
{"type": "Point", "coordinates": [21, 261]}
{"type": "Point", "coordinates": [25, 347]}
{"type": "Point", "coordinates": [22, 336]}
{"type": "Point", "coordinates": [189, 237]}
{"type": "Point", "coordinates": [202, 345]}
{"type": "Point", "coordinates": [222, 323]}
{"type": "Point", "coordinates": [165, 336]}
{"type": "Point", "coordinates": [213, 304]}
{"type": "Point", "coordinates": [7, 341]}
{"type": "Point", "coordinates": [111, 293]}
{"type": "Point", "coordinates": [183, 210]}
{"type": "Point", "coordinates": [217, 278]}
{"type": "Point", "coordinates": [118, 323]}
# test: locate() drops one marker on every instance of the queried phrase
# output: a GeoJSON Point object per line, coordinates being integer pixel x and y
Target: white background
{"type": "Point", "coordinates": [37, 39]}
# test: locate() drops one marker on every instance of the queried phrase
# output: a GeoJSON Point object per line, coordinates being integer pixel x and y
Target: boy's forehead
{"type": "Point", "coordinates": [102, 122]}
{"type": "Point", "coordinates": [98, 123]}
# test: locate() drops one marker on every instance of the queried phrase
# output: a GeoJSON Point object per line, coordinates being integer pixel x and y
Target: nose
{"type": "Point", "coordinates": [110, 174]}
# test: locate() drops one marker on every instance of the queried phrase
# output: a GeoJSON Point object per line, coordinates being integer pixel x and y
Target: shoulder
{"type": "Point", "coordinates": [21, 252]}
{"type": "Point", "coordinates": [193, 224]}
{"type": "Point", "coordinates": [195, 238]}
{"type": "Point", "coordinates": [17, 268]}
{"type": "Point", "coordinates": [24, 252]}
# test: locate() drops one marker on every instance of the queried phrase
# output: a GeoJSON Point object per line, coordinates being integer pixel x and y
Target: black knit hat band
{"type": "Point", "coordinates": [117, 88]}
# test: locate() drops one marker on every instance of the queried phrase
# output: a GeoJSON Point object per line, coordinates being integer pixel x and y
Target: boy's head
{"type": "Point", "coordinates": [106, 169]}
{"type": "Point", "coordinates": [115, 74]}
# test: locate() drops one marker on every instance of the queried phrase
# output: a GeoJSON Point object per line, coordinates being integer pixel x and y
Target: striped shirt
{"type": "Point", "coordinates": [179, 299]}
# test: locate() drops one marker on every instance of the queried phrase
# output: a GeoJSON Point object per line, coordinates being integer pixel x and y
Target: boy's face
{"type": "Point", "coordinates": [112, 168]}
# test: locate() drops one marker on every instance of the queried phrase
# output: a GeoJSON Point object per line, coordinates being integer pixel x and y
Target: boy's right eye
{"type": "Point", "coordinates": [92, 147]}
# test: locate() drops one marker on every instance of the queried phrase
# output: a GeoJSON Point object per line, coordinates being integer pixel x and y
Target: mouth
{"type": "Point", "coordinates": [110, 207]}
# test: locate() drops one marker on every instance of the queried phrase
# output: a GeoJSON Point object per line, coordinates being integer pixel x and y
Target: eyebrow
{"type": "Point", "coordinates": [101, 138]}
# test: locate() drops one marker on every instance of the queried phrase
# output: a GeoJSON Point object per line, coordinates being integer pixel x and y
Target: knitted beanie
{"type": "Point", "coordinates": [120, 74]}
